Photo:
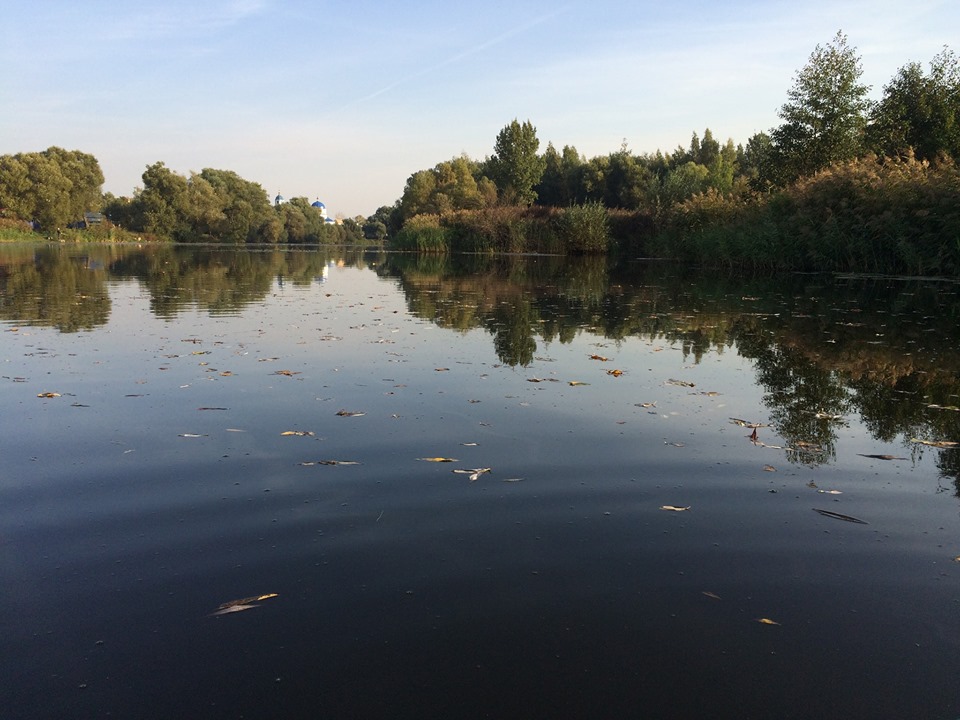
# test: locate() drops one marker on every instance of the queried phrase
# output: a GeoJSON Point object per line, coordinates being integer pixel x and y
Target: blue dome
{"type": "Point", "coordinates": [318, 204]}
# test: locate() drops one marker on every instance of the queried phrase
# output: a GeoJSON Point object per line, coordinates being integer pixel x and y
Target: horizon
{"type": "Point", "coordinates": [343, 103]}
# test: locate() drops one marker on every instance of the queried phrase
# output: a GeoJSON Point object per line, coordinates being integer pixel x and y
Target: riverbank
{"type": "Point", "coordinates": [873, 214]}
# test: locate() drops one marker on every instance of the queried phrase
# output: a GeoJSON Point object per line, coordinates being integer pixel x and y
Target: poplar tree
{"type": "Point", "coordinates": [825, 115]}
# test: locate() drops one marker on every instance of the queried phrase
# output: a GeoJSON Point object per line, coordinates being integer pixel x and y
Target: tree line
{"type": "Point", "coordinates": [51, 190]}
{"type": "Point", "coordinates": [827, 122]}
{"type": "Point", "coordinates": [682, 203]}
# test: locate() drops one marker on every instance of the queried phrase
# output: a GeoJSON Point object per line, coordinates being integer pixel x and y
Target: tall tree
{"type": "Point", "coordinates": [920, 112]}
{"type": "Point", "coordinates": [515, 165]}
{"type": "Point", "coordinates": [54, 187]}
{"type": "Point", "coordinates": [826, 112]}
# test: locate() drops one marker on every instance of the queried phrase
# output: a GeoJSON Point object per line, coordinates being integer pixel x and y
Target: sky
{"type": "Point", "coordinates": [343, 100]}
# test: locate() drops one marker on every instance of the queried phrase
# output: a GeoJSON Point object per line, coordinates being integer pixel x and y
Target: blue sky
{"type": "Point", "coordinates": [342, 101]}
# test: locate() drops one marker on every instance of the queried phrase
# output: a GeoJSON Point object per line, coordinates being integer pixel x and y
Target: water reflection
{"type": "Point", "coordinates": [823, 348]}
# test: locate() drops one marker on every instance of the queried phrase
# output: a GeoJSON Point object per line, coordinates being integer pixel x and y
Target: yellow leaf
{"type": "Point", "coordinates": [48, 395]}
{"type": "Point", "coordinates": [767, 621]}
{"type": "Point", "coordinates": [674, 508]}
{"type": "Point", "coordinates": [576, 383]}
{"type": "Point", "coordinates": [301, 433]}
{"type": "Point", "coordinates": [438, 459]}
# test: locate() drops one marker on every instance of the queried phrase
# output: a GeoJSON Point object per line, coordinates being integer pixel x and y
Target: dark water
{"type": "Point", "coordinates": [158, 484]}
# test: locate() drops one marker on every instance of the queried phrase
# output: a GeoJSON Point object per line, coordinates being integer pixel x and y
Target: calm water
{"type": "Point", "coordinates": [160, 481]}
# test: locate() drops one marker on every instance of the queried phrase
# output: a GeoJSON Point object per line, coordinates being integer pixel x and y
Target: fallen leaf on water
{"type": "Point", "coordinates": [536, 380]}
{"type": "Point", "coordinates": [288, 373]}
{"type": "Point", "coordinates": [747, 423]}
{"type": "Point", "coordinates": [212, 408]}
{"type": "Point", "coordinates": [239, 605]}
{"type": "Point", "coordinates": [831, 492]}
{"type": "Point", "coordinates": [190, 435]}
{"type": "Point", "coordinates": [349, 413]}
{"type": "Point", "coordinates": [601, 358]}
{"type": "Point", "coordinates": [441, 369]}
{"type": "Point", "coordinates": [769, 468]}
{"type": "Point", "coordinates": [957, 558]}
{"type": "Point", "coordinates": [646, 404]}
{"type": "Point", "coordinates": [469, 444]}
{"type": "Point", "coordinates": [767, 621]}
{"type": "Point", "coordinates": [944, 407]}
{"type": "Point", "coordinates": [438, 459]}
{"type": "Point", "coordinates": [48, 395]}
{"type": "Point", "coordinates": [576, 383]}
{"type": "Point", "coordinates": [935, 443]}
{"type": "Point", "coordinates": [839, 516]}
{"type": "Point", "coordinates": [474, 474]}
{"type": "Point", "coordinates": [674, 508]}
{"type": "Point", "coordinates": [827, 416]}
{"type": "Point", "coordinates": [226, 373]}
{"type": "Point", "coordinates": [882, 457]}
{"type": "Point", "coordinates": [708, 393]}
{"type": "Point", "coordinates": [615, 373]}
{"type": "Point", "coordinates": [311, 463]}
{"type": "Point", "coordinates": [711, 595]}
{"type": "Point", "coordinates": [680, 383]}
{"type": "Point", "coordinates": [300, 433]}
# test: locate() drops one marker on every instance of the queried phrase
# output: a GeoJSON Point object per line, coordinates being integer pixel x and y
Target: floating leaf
{"type": "Point", "coordinates": [474, 474]}
{"type": "Point", "coordinates": [190, 435]}
{"type": "Point", "coordinates": [212, 408]}
{"type": "Point", "coordinates": [288, 373]}
{"type": "Point", "coordinates": [882, 457]}
{"type": "Point", "coordinates": [615, 373]}
{"type": "Point", "coordinates": [438, 459]}
{"type": "Point", "coordinates": [767, 621]}
{"type": "Point", "coordinates": [747, 423]}
{"type": "Point", "coordinates": [349, 413]}
{"type": "Point", "coordinates": [944, 407]}
{"type": "Point", "coordinates": [711, 595]}
{"type": "Point", "coordinates": [827, 416]}
{"type": "Point", "coordinates": [935, 443]}
{"type": "Point", "coordinates": [48, 395]}
{"type": "Point", "coordinates": [646, 404]}
{"type": "Point", "coordinates": [441, 369]}
{"type": "Point", "coordinates": [470, 444]}
{"type": "Point", "coordinates": [243, 604]}
{"type": "Point", "coordinates": [839, 516]}
{"type": "Point", "coordinates": [601, 358]}
{"type": "Point", "coordinates": [329, 462]}
{"type": "Point", "coordinates": [576, 383]}
{"type": "Point", "coordinates": [300, 433]}
{"type": "Point", "coordinates": [680, 383]}
{"type": "Point", "coordinates": [674, 508]}
{"type": "Point", "coordinates": [831, 492]}
{"type": "Point", "coordinates": [769, 468]}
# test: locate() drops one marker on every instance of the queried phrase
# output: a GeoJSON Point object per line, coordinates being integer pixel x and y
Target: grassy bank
{"type": "Point", "coordinates": [578, 229]}
{"type": "Point", "coordinates": [18, 231]}
{"type": "Point", "coordinates": [869, 215]}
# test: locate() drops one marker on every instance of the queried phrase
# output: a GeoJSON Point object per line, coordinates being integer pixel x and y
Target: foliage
{"type": "Point", "coordinates": [825, 115]}
{"type": "Point", "coordinates": [515, 166]}
{"type": "Point", "coordinates": [920, 112]}
{"type": "Point", "coordinates": [866, 215]}
{"type": "Point", "coordinates": [584, 229]}
{"type": "Point", "coordinates": [52, 188]}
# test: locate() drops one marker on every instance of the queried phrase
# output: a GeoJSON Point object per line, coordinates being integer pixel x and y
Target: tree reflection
{"type": "Point", "coordinates": [822, 348]}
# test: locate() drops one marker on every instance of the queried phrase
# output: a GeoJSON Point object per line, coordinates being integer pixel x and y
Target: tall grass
{"type": "Point", "coordinates": [867, 215]}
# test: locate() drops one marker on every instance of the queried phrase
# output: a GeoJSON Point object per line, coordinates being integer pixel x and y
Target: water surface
{"type": "Point", "coordinates": [159, 481]}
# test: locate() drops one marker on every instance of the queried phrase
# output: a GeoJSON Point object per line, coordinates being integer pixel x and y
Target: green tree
{"type": "Point", "coordinates": [920, 112]}
{"type": "Point", "coordinates": [825, 114]}
{"type": "Point", "coordinates": [54, 187]}
{"type": "Point", "coordinates": [515, 166]}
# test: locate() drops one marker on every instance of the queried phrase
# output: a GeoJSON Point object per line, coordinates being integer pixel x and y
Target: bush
{"type": "Point", "coordinates": [584, 229]}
